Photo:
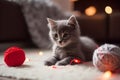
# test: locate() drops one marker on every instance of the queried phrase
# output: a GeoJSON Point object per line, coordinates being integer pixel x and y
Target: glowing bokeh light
{"type": "Point", "coordinates": [76, 61]}
{"type": "Point", "coordinates": [27, 60]}
{"type": "Point", "coordinates": [108, 9]}
{"type": "Point", "coordinates": [107, 75]}
{"type": "Point", "coordinates": [90, 11]}
{"type": "Point", "coordinates": [54, 67]}
{"type": "Point", "coordinates": [40, 53]}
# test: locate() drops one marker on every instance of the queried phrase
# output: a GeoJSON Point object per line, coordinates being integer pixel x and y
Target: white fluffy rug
{"type": "Point", "coordinates": [35, 70]}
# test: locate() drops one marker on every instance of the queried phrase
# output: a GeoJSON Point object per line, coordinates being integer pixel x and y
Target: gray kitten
{"type": "Point", "coordinates": [67, 42]}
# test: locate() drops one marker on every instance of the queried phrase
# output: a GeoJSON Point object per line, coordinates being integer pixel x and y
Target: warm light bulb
{"type": "Point", "coordinates": [76, 61]}
{"type": "Point", "coordinates": [108, 9]}
{"type": "Point", "coordinates": [107, 75]}
{"type": "Point", "coordinates": [90, 11]}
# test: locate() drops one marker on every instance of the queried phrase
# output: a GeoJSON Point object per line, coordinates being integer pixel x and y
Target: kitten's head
{"type": "Point", "coordinates": [64, 32]}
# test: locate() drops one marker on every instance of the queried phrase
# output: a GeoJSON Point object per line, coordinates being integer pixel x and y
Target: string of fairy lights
{"type": "Point", "coordinates": [92, 10]}
{"type": "Point", "coordinates": [106, 76]}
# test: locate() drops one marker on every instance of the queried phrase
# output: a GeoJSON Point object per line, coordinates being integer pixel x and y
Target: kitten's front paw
{"type": "Point", "coordinates": [61, 63]}
{"type": "Point", "coordinates": [48, 63]}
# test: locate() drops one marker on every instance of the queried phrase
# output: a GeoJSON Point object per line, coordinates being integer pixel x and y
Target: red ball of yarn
{"type": "Point", "coordinates": [14, 56]}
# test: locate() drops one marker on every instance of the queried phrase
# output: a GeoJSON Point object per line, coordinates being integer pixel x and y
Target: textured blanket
{"type": "Point", "coordinates": [34, 69]}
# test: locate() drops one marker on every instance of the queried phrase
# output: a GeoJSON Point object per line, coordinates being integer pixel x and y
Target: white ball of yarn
{"type": "Point", "coordinates": [107, 57]}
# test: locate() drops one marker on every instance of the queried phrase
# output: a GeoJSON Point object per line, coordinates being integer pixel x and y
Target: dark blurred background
{"type": "Point", "coordinates": [98, 19]}
{"type": "Point", "coordinates": [100, 5]}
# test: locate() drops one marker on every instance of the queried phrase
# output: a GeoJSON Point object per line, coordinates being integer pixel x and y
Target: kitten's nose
{"type": "Point", "coordinates": [60, 41]}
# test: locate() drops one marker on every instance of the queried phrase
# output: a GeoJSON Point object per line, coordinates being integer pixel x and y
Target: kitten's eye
{"type": "Point", "coordinates": [65, 36]}
{"type": "Point", "coordinates": [56, 36]}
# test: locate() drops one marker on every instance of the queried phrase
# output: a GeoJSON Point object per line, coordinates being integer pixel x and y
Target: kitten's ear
{"type": "Point", "coordinates": [51, 21]}
{"type": "Point", "coordinates": [72, 20]}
